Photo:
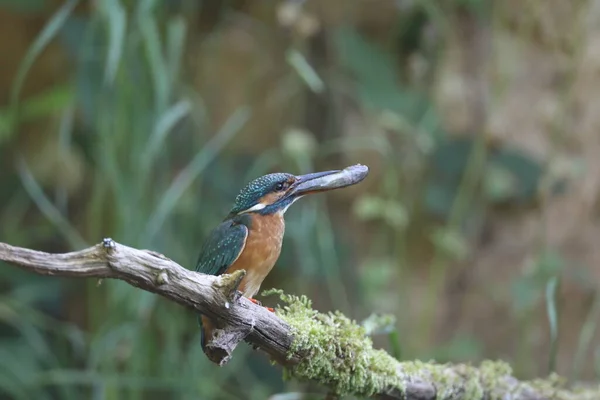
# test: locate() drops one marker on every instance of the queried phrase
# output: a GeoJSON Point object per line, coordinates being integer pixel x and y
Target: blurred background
{"type": "Point", "coordinates": [140, 120]}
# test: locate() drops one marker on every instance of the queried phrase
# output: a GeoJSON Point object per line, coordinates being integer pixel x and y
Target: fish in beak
{"type": "Point", "coordinates": [328, 180]}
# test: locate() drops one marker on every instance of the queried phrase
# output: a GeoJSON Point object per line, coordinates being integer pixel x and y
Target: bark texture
{"type": "Point", "coordinates": [241, 320]}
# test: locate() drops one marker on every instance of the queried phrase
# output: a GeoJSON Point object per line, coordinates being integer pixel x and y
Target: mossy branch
{"type": "Point", "coordinates": [326, 348]}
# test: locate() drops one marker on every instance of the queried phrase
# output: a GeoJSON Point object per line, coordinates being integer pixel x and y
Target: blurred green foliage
{"type": "Point", "coordinates": [155, 171]}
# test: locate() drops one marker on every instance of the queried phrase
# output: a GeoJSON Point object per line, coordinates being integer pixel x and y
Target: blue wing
{"type": "Point", "coordinates": [223, 246]}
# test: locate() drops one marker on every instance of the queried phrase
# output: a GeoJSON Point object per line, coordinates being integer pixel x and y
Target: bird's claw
{"type": "Point", "coordinates": [255, 301]}
{"type": "Point", "coordinates": [260, 304]}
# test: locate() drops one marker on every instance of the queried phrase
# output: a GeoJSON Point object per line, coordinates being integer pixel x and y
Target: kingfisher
{"type": "Point", "coordinates": [251, 235]}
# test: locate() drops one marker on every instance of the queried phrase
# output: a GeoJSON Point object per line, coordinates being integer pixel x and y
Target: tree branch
{"type": "Point", "coordinates": [239, 319]}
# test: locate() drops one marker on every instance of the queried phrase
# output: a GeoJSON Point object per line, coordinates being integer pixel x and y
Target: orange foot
{"type": "Point", "coordinates": [260, 304]}
{"type": "Point", "coordinates": [255, 301]}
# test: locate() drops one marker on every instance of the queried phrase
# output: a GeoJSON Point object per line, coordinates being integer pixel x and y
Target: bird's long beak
{"type": "Point", "coordinates": [328, 180]}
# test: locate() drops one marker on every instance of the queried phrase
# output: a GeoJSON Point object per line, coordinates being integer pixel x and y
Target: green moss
{"type": "Point", "coordinates": [335, 350]}
{"type": "Point", "coordinates": [461, 381]}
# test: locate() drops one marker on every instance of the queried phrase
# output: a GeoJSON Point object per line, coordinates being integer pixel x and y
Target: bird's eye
{"type": "Point", "coordinates": [279, 186]}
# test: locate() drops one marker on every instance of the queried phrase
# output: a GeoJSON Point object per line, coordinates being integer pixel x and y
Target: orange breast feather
{"type": "Point", "coordinates": [262, 250]}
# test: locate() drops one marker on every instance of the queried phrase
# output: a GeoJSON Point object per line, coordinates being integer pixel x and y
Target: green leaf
{"type": "Point", "coordinates": [586, 337]}
{"type": "Point", "coordinates": [116, 18]}
{"type": "Point", "coordinates": [47, 208]}
{"type": "Point", "coordinates": [299, 144]}
{"type": "Point", "coordinates": [450, 242]}
{"type": "Point", "coordinates": [232, 126]}
{"type": "Point", "coordinates": [48, 33]}
{"type": "Point", "coordinates": [368, 63]}
{"type": "Point", "coordinates": [176, 34]}
{"type": "Point", "coordinates": [46, 103]}
{"type": "Point", "coordinates": [448, 163]}
{"type": "Point", "coordinates": [439, 198]}
{"type": "Point", "coordinates": [451, 158]}
{"type": "Point", "coordinates": [525, 294]}
{"type": "Point", "coordinates": [375, 277]}
{"type": "Point", "coordinates": [526, 171]}
{"type": "Point", "coordinates": [396, 215]}
{"type": "Point", "coordinates": [369, 207]}
{"type": "Point", "coordinates": [550, 264]}
{"type": "Point", "coordinates": [305, 70]}
{"type": "Point", "coordinates": [499, 184]}
{"type": "Point", "coordinates": [155, 59]}
{"type": "Point", "coordinates": [7, 121]}
{"type": "Point", "coordinates": [163, 127]}
{"type": "Point", "coordinates": [376, 77]}
{"type": "Point", "coordinates": [24, 6]}
{"type": "Point", "coordinates": [79, 37]}
{"type": "Point", "coordinates": [552, 321]}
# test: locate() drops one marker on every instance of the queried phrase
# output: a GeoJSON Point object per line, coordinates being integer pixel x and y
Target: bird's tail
{"type": "Point", "coordinates": [206, 330]}
{"type": "Point", "coordinates": [202, 335]}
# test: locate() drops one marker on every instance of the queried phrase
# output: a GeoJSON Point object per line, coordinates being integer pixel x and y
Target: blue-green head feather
{"type": "Point", "coordinates": [255, 191]}
{"type": "Point", "coordinates": [274, 193]}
